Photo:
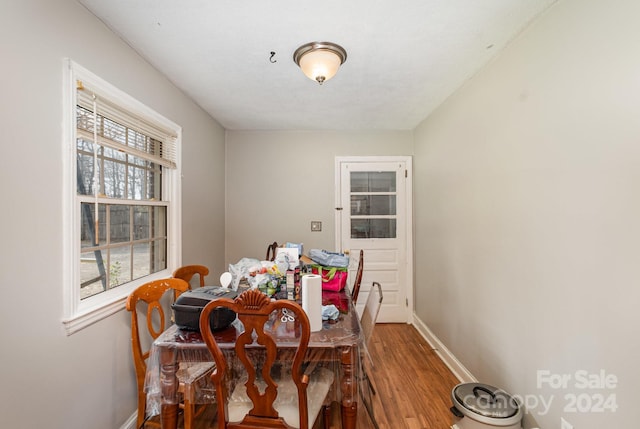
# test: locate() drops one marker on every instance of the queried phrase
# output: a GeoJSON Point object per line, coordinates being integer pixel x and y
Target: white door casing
{"type": "Point", "coordinates": [374, 213]}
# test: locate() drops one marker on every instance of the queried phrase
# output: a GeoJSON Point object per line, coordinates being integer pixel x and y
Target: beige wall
{"type": "Point", "coordinates": [525, 208]}
{"type": "Point", "coordinates": [86, 380]}
{"type": "Point", "coordinates": [527, 212]}
{"type": "Point", "coordinates": [278, 182]}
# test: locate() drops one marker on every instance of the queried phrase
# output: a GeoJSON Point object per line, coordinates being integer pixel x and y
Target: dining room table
{"type": "Point", "coordinates": [336, 345]}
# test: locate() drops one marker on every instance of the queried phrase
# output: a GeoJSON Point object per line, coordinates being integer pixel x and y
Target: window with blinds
{"type": "Point", "coordinates": [120, 164]}
{"type": "Point", "coordinates": [122, 197]}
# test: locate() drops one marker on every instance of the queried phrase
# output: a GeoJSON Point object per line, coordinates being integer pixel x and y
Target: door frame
{"type": "Point", "coordinates": [408, 160]}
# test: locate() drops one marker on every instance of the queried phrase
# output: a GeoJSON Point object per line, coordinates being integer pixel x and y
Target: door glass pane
{"type": "Point", "coordinates": [359, 181]}
{"type": "Point", "coordinates": [373, 181]}
{"type": "Point", "coordinates": [373, 194]}
{"type": "Point", "coordinates": [384, 181]}
{"type": "Point", "coordinates": [373, 228]}
{"type": "Point", "coordinates": [363, 205]}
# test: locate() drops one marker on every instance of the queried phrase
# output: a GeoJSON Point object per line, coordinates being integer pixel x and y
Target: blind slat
{"type": "Point", "coordinates": [161, 149]}
{"type": "Point", "coordinates": [105, 141]}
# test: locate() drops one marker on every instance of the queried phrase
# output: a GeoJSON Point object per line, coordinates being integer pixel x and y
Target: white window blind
{"type": "Point", "coordinates": [148, 141]}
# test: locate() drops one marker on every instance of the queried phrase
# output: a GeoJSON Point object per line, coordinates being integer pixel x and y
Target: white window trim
{"type": "Point", "coordinates": [78, 314]}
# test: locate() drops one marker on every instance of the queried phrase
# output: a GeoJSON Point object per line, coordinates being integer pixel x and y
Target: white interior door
{"type": "Point", "coordinates": [373, 213]}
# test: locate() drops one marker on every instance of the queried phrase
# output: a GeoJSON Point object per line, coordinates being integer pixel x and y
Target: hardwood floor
{"type": "Point", "coordinates": [413, 386]}
{"type": "Point", "coordinates": [412, 383]}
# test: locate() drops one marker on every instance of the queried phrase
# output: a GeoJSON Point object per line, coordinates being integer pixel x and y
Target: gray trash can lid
{"type": "Point", "coordinates": [485, 400]}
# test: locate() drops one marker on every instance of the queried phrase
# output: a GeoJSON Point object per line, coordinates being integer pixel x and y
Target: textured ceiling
{"type": "Point", "coordinates": [405, 57]}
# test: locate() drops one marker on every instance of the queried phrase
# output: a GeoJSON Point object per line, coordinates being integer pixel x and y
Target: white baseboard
{"type": "Point", "coordinates": [447, 357]}
{"type": "Point", "coordinates": [131, 421]}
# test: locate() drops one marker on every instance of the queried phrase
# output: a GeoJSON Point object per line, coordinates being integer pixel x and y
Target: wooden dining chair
{"type": "Point", "coordinates": [145, 302]}
{"type": "Point", "coordinates": [271, 251]}
{"type": "Point", "coordinates": [355, 290]}
{"type": "Point", "coordinates": [368, 322]}
{"type": "Point", "coordinates": [187, 272]}
{"type": "Point", "coordinates": [269, 397]}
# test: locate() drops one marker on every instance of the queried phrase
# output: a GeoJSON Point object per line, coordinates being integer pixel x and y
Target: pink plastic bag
{"type": "Point", "coordinates": [333, 278]}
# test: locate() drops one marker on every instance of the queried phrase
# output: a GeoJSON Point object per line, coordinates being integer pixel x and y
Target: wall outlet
{"type": "Point", "coordinates": [316, 225]}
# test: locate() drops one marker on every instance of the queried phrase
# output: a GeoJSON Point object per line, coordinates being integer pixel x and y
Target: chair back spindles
{"type": "Point", "coordinates": [355, 290]}
{"type": "Point", "coordinates": [271, 251]}
{"type": "Point", "coordinates": [187, 272]}
{"type": "Point", "coordinates": [254, 309]}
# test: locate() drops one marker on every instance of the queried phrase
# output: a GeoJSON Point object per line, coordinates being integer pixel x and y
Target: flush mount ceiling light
{"type": "Point", "coordinates": [320, 61]}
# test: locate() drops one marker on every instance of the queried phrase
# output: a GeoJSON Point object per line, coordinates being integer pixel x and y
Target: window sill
{"type": "Point", "coordinates": [83, 320]}
{"type": "Point", "coordinates": [103, 305]}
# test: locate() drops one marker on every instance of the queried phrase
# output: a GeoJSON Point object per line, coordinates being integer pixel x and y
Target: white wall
{"type": "Point", "coordinates": [527, 209]}
{"type": "Point", "coordinates": [278, 182]}
{"type": "Point", "coordinates": [85, 380]}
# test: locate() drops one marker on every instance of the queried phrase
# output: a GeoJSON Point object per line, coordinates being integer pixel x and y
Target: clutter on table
{"type": "Point", "coordinates": [281, 278]}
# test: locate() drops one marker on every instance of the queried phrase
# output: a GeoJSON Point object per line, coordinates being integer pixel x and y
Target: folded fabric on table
{"type": "Point", "coordinates": [330, 312]}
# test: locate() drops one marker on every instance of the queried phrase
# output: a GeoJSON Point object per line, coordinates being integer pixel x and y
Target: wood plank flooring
{"type": "Point", "coordinates": [413, 385]}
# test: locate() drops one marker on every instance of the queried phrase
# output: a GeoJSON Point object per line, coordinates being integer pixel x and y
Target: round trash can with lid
{"type": "Point", "coordinates": [482, 406]}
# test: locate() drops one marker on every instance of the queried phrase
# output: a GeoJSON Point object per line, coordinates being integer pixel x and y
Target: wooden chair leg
{"type": "Point", "coordinates": [142, 402]}
{"type": "Point", "coordinates": [366, 383]}
{"type": "Point", "coordinates": [373, 390]}
{"type": "Point", "coordinates": [188, 413]}
{"type": "Point", "coordinates": [326, 416]}
{"type": "Point", "coordinates": [368, 404]}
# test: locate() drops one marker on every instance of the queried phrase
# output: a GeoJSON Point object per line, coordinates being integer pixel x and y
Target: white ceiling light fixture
{"type": "Point", "coordinates": [320, 61]}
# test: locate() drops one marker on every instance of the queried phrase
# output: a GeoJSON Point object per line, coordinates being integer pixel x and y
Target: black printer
{"type": "Point", "coordinates": [189, 305]}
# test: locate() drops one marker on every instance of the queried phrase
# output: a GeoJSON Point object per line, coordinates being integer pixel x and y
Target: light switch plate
{"type": "Point", "coordinates": [316, 225]}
